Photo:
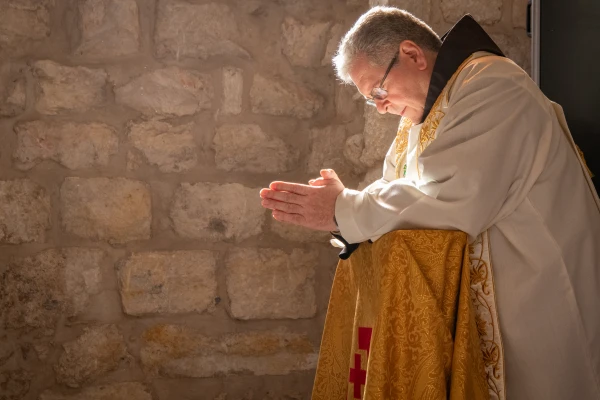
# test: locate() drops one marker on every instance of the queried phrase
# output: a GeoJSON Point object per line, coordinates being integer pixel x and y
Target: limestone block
{"type": "Point", "coordinates": [233, 87]}
{"type": "Point", "coordinates": [24, 212]}
{"type": "Point", "coordinates": [217, 212]}
{"type": "Point", "coordinates": [379, 133]}
{"type": "Point", "coordinates": [348, 102]}
{"type": "Point", "coordinates": [108, 28]}
{"type": "Point", "coordinates": [279, 97]}
{"type": "Point", "coordinates": [74, 145]}
{"type": "Point", "coordinates": [12, 90]}
{"type": "Point", "coordinates": [295, 233]}
{"type": "Point", "coordinates": [36, 291]}
{"type": "Point", "coordinates": [371, 176]}
{"type": "Point", "coordinates": [335, 36]}
{"type": "Point", "coordinates": [15, 384]}
{"type": "Point", "coordinates": [169, 91]}
{"type": "Point", "coordinates": [114, 209]}
{"type": "Point", "coordinates": [168, 282]}
{"type": "Point", "coordinates": [178, 351]}
{"type": "Point", "coordinates": [113, 391]}
{"type": "Point", "coordinates": [96, 352]}
{"type": "Point", "coordinates": [419, 8]}
{"type": "Point", "coordinates": [303, 44]}
{"type": "Point", "coordinates": [60, 88]}
{"type": "Point", "coordinates": [269, 283]}
{"type": "Point", "coordinates": [484, 12]}
{"type": "Point", "coordinates": [6, 351]}
{"type": "Point", "coordinates": [325, 150]}
{"type": "Point", "coordinates": [517, 47]}
{"type": "Point", "coordinates": [196, 30]}
{"type": "Point", "coordinates": [245, 147]}
{"type": "Point", "coordinates": [22, 21]}
{"type": "Point", "coordinates": [519, 13]}
{"type": "Point", "coordinates": [353, 149]}
{"type": "Point", "coordinates": [171, 148]}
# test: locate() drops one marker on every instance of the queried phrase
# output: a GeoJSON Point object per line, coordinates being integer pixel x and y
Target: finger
{"type": "Point", "coordinates": [285, 197]}
{"type": "Point", "coordinates": [281, 206]}
{"type": "Point", "coordinates": [290, 218]}
{"type": "Point", "coordinates": [329, 174]}
{"type": "Point", "coordinates": [318, 182]}
{"type": "Point", "coordinates": [310, 182]}
{"type": "Point", "coordinates": [296, 188]}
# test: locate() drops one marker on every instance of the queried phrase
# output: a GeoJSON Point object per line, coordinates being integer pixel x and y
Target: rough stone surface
{"type": "Point", "coordinates": [519, 13]}
{"type": "Point", "coordinates": [371, 176]}
{"type": "Point", "coordinates": [269, 283]}
{"type": "Point", "coordinates": [347, 101]}
{"type": "Point", "coordinates": [245, 147]}
{"type": "Point", "coordinates": [298, 234]}
{"type": "Point", "coordinates": [517, 47]}
{"type": "Point", "coordinates": [169, 91]}
{"type": "Point", "coordinates": [6, 351]}
{"type": "Point", "coordinates": [108, 28]}
{"type": "Point", "coordinates": [21, 21]}
{"type": "Point", "coordinates": [419, 8]}
{"type": "Point", "coordinates": [60, 88]}
{"type": "Point", "coordinates": [72, 144]}
{"type": "Point", "coordinates": [335, 36]}
{"type": "Point", "coordinates": [325, 150]}
{"type": "Point", "coordinates": [12, 91]}
{"type": "Point", "coordinates": [114, 391]}
{"type": "Point", "coordinates": [484, 12]}
{"type": "Point", "coordinates": [113, 209]}
{"type": "Point", "coordinates": [168, 282]}
{"type": "Point", "coordinates": [353, 149]}
{"type": "Point", "coordinates": [278, 97]}
{"type": "Point", "coordinates": [171, 148]}
{"type": "Point", "coordinates": [233, 87]}
{"type": "Point", "coordinates": [196, 30]}
{"type": "Point", "coordinates": [36, 291]}
{"type": "Point", "coordinates": [379, 133]}
{"type": "Point", "coordinates": [217, 212]}
{"type": "Point", "coordinates": [15, 384]}
{"type": "Point", "coordinates": [96, 352]}
{"type": "Point", "coordinates": [303, 44]}
{"type": "Point", "coordinates": [24, 212]}
{"type": "Point", "coordinates": [177, 351]}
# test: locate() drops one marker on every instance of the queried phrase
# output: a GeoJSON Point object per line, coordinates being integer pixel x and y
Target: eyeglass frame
{"type": "Point", "coordinates": [382, 93]}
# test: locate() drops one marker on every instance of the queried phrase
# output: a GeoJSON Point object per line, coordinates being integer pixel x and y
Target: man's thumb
{"type": "Point", "coordinates": [329, 174]}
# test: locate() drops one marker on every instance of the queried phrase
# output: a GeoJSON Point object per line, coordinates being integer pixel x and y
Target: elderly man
{"type": "Point", "coordinates": [480, 149]}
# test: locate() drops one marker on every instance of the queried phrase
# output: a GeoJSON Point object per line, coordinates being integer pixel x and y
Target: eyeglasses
{"type": "Point", "coordinates": [379, 93]}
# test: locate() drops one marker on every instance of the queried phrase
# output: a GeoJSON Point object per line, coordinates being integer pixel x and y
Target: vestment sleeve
{"type": "Point", "coordinates": [491, 146]}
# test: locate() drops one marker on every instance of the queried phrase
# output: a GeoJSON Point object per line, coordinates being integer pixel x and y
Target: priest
{"type": "Point", "coordinates": [479, 150]}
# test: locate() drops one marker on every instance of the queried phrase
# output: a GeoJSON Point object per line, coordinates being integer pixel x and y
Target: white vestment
{"type": "Point", "coordinates": [503, 161]}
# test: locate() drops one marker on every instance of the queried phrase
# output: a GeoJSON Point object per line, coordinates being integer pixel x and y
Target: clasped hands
{"type": "Point", "coordinates": [311, 206]}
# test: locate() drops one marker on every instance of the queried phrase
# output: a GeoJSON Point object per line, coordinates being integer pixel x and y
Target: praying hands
{"type": "Point", "coordinates": [311, 206]}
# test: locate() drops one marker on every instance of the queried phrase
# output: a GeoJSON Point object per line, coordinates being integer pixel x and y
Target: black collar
{"type": "Point", "coordinates": [465, 38]}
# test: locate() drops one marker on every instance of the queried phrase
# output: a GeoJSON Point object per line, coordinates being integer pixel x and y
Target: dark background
{"type": "Point", "coordinates": [570, 69]}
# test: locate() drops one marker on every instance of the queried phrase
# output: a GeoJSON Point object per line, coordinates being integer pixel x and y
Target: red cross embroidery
{"type": "Point", "coordinates": [358, 376]}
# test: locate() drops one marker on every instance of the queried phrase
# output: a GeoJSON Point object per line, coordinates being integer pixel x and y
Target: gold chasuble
{"type": "Point", "coordinates": [401, 323]}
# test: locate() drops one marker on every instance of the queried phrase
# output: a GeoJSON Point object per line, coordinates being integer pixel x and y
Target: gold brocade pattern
{"type": "Point", "coordinates": [486, 315]}
{"type": "Point", "coordinates": [411, 289]}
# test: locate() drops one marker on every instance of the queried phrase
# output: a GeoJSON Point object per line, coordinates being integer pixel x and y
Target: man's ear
{"type": "Point", "coordinates": [412, 52]}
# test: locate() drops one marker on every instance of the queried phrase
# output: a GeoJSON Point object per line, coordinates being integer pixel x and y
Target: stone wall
{"type": "Point", "coordinates": [135, 259]}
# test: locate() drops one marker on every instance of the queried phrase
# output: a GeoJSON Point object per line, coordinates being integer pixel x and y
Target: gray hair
{"type": "Point", "coordinates": [377, 34]}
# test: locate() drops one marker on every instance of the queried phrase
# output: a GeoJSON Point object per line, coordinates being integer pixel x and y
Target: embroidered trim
{"type": "Point", "coordinates": [401, 146]}
{"type": "Point", "coordinates": [486, 315]}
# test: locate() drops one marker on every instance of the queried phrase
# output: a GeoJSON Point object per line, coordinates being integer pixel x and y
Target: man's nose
{"type": "Point", "coordinates": [381, 106]}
